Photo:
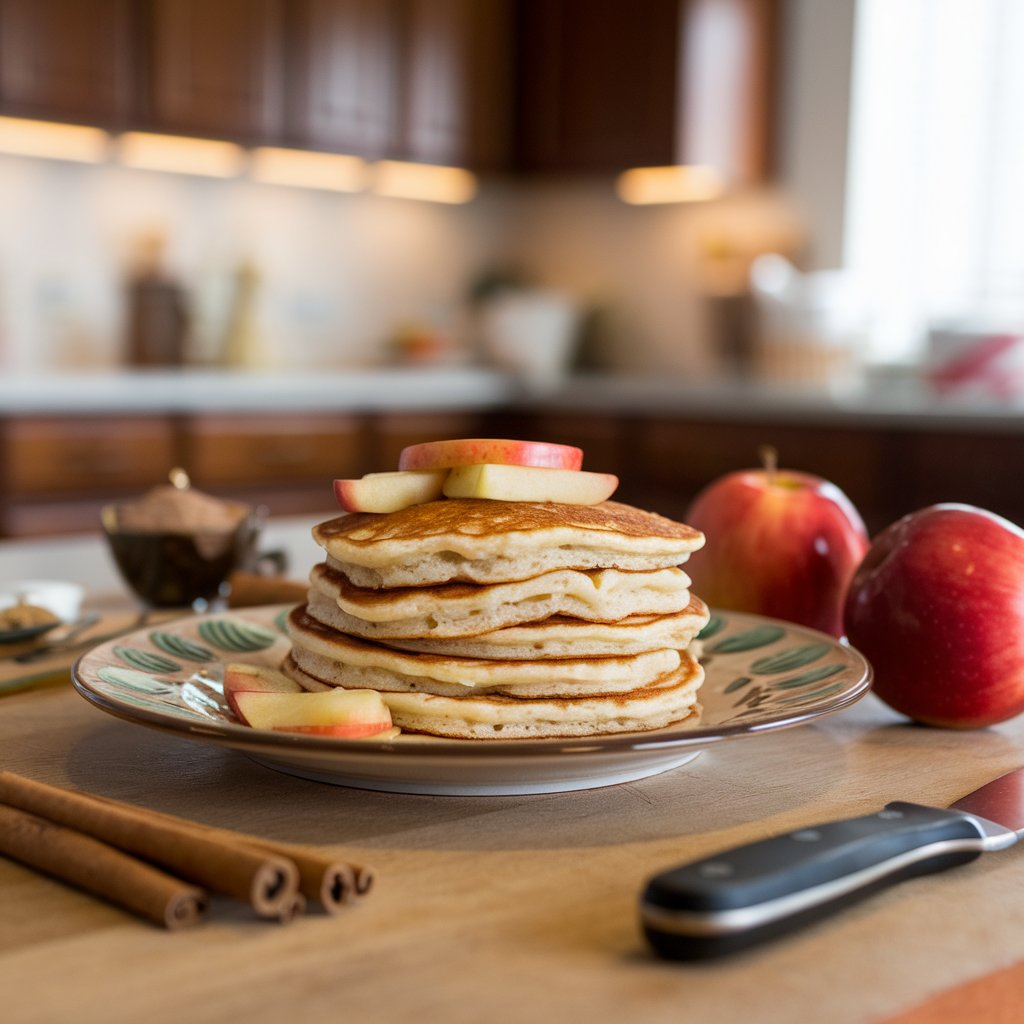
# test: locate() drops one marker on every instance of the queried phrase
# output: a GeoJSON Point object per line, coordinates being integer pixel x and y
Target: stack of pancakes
{"type": "Point", "coordinates": [483, 619]}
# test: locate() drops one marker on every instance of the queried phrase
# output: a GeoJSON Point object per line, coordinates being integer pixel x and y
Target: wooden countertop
{"type": "Point", "coordinates": [504, 908]}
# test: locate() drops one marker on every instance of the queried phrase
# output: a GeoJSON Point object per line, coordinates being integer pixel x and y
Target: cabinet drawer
{"type": "Point", "coordinates": [61, 455]}
{"type": "Point", "coordinates": [229, 450]}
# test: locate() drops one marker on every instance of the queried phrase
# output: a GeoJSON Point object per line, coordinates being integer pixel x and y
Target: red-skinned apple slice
{"type": "Point", "coordinates": [471, 451]}
{"type": "Point", "coordinates": [389, 492]}
{"type": "Point", "coordinates": [346, 732]}
{"type": "Point", "coordinates": [350, 713]}
{"type": "Point", "coordinates": [240, 677]}
{"type": "Point", "coordinates": [529, 483]}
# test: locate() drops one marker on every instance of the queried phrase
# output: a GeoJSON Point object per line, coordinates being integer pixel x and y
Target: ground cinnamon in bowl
{"type": "Point", "coordinates": [176, 546]}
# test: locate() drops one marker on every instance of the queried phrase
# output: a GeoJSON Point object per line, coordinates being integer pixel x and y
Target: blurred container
{"type": "Point", "coordinates": [976, 359]}
{"type": "Point", "coordinates": [531, 333]}
{"type": "Point", "coordinates": [157, 312]}
{"type": "Point", "coordinates": [810, 327]}
{"type": "Point", "coordinates": [57, 596]}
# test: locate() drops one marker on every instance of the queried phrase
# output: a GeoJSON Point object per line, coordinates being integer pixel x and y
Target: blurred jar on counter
{"type": "Point", "coordinates": [810, 327]}
{"type": "Point", "coordinates": [157, 312]}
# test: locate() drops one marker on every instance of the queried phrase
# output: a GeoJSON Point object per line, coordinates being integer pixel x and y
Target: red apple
{"type": "Point", "coordinates": [471, 451]}
{"type": "Point", "coordinates": [937, 607]}
{"type": "Point", "coordinates": [779, 543]}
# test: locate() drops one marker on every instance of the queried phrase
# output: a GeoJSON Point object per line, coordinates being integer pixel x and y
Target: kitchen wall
{"type": "Point", "coordinates": [337, 272]}
{"type": "Point", "coordinates": [340, 274]}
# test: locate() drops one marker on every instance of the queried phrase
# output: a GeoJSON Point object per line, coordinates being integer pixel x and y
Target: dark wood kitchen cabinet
{"type": "Point", "coordinates": [342, 83]}
{"type": "Point", "coordinates": [605, 86]}
{"type": "Point", "coordinates": [215, 68]}
{"type": "Point", "coordinates": [68, 60]}
{"type": "Point", "coordinates": [458, 83]}
{"type": "Point", "coordinates": [424, 80]}
{"type": "Point", "coordinates": [56, 472]}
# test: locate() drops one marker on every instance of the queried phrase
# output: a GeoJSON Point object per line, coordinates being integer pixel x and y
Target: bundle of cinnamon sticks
{"type": "Point", "coordinates": [161, 867]}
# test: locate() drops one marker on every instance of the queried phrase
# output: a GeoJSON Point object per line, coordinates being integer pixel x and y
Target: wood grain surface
{"type": "Point", "coordinates": [503, 908]}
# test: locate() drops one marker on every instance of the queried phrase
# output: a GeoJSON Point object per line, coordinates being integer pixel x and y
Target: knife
{"type": "Point", "coordinates": [746, 895]}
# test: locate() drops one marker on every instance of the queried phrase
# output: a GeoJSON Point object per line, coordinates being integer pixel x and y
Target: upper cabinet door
{"type": "Point", "coordinates": [728, 87]}
{"type": "Point", "coordinates": [597, 84]}
{"type": "Point", "coordinates": [607, 85]}
{"type": "Point", "coordinates": [457, 82]}
{"type": "Point", "coordinates": [343, 91]}
{"type": "Point", "coordinates": [217, 68]}
{"type": "Point", "coordinates": [67, 59]}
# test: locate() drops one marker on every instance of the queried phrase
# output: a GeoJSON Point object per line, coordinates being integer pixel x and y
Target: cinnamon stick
{"type": "Point", "coordinates": [326, 880]}
{"type": "Point", "coordinates": [264, 880]}
{"type": "Point", "coordinates": [99, 869]}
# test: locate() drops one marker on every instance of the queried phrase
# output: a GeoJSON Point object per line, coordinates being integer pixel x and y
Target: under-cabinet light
{"type": "Point", "coordinates": [433, 183]}
{"type": "Point", "coordinates": [684, 183]}
{"type": "Point", "coordinates": [305, 169]}
{"type": "Point", "coordinates": [53, 141]}
{"type": "Point", "coordinates": [180, 154]}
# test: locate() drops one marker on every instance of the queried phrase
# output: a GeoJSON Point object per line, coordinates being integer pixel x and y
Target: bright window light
{"type": "Point", "coordinates": [53, 141]}
{"type": "Point", "coordinates": [935, 207]}
{"type": "Point", "coordinates": [180, 155]}
{"type": "Point", "coordinates": [423, 181]}
{"type": "Point", "coordinates": [677, 184]}
{"type": "Point", "coordinates": [305, 169]}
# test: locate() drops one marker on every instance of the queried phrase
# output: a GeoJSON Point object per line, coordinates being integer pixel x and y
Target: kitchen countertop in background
{"type": "Point", "coordinates": [907, 403]}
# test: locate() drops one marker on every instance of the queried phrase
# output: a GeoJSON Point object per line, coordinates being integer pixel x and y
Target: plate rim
{"type": "Point", "coordinates": [246, 738]}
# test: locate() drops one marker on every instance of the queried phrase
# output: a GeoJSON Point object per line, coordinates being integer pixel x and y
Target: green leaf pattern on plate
{"type": "Point", "coordinates": [815, 675]}
{"type": "Point", "coordinates": [235, 635]}
{"type": "Point", "coordinates": [738, 684]}
{"type": "Point", "coordinates": [752, 697]}
{"type": "Point", "coordinates": [760, 636]}
{"type": "Point", "coordinates": [786, 661]}
{"type": "Point", "coordinates": [146, 660]}
{"type": "Point", "coordinates": [714, 625]}
{"type": "Point", "coordinates": [178, 646]}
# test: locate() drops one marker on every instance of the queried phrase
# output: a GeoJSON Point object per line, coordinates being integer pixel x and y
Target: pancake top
{"type": "Point", "coordinates": [481, 528]}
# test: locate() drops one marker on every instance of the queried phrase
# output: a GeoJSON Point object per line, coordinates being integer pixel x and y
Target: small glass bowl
{"type": "Point", "coordinates": [180, 570]}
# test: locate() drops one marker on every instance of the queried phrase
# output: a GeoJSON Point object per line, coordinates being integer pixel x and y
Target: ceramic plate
{"type": "Point", "coordinates": [760, 675]}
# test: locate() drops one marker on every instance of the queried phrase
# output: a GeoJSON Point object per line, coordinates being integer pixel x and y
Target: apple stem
{"type": "Point", "coordinates": [770, 461]}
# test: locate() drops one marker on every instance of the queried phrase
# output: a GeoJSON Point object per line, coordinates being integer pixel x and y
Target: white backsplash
{"type": "Point", "coordinates": [340, 273]}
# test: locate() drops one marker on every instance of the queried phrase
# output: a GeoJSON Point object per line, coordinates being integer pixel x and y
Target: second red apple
{"type": "Point", "coordinates": [779, 543]}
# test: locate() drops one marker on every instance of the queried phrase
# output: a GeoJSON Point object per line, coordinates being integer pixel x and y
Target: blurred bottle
{"type": "Point", "coordinates": [244, 346]}
{"type": "Point", "coordinates": [157, 310]}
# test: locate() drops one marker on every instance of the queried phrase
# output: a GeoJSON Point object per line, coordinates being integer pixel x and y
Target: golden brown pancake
{"type": "Point", "coordinates": [483, 541]}
{"type": "Point", "coordinates": [341, 660]}
{"type": "Point", "coordinates": [468, 609]}
{"type": "Point", "coordinates": [669, 700]}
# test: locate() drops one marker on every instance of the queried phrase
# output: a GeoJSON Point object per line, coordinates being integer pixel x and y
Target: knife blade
{"type": "Point", "coordinates": [751, 893]}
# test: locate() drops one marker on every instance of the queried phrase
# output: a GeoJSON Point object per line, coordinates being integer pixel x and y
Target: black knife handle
{"type": "Point", "coordinates": [743, 896]}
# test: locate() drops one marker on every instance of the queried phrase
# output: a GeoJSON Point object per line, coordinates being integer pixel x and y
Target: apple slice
{"type": "Point", "coordinates": [528, 483]}
{"type": "Point", "coordinates": [389, 492]}
{"type": "Point", "coordinates": [243, 678]}
{"type": "Point", "coordinates": [343, 731]}
{"type": "Point", "coordinates": [471, 451]}
{"type": "Point", "coordinates": [337, 712]}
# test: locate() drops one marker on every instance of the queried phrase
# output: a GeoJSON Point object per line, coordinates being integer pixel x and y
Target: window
{"type": "Point", "coordinates": [935, 202]}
